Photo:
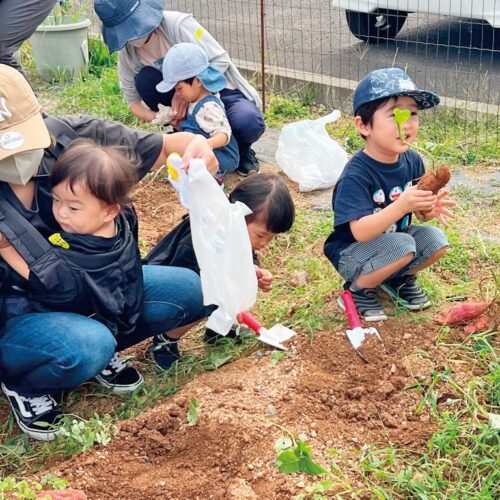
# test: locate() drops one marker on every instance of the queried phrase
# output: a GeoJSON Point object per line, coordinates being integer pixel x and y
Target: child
{"type": "Point", "coordinates": [90, 188]}
{"type": "Point", "coordinates": [373, 242]}
{"type": "Point", "coordinates": [273, 212]}
{"type": "Point", "coordinates": [186, 68]}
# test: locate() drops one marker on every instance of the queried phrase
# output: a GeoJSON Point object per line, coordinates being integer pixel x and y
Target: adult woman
{"type": "Point", "coordinates": [143, 32]}
{"type": "Point", "coordinates": [42, 353]}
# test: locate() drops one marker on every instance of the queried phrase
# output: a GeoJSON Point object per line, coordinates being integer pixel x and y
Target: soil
{"type": "Point", "coordinates": [322, 392]}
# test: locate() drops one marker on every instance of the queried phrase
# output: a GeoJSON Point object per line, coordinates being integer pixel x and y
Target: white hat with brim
{"type": "Point", "coordinates": [188, 60]}
{"type": "Point", "coordinates": [21, 124]}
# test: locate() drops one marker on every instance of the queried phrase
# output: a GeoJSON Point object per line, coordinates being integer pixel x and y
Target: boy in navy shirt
{"type": "Point", "coordinates": [374, 242]}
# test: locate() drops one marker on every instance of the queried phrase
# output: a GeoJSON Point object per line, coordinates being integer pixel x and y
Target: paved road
{"type": "Point", "coordinates": [456, 59]}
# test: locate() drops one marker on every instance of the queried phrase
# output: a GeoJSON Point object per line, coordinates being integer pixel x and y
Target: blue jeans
{"type": "Point", "coordinates": [43, 353]}
{"type": "Point", "coordinates": [245, 118]}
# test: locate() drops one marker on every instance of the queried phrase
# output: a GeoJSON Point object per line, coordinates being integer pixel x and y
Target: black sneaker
{"type": "Point", "coordinates": [37, 416]}
{"type": "Point", "coordinates": [165, 352]}
{"type": "Point", "coordinates": [248, 164]}
{"type": "Point", "coordinates": [367, 304]}
{"type": "Point", "coordinates": [119, 377]}
{"type": "Point", "coordinates": [211, 337]}
{"type": "Point", "coordinates": [405, 291]}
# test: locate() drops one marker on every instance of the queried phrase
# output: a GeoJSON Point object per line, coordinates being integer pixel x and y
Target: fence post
{"type": "Point", "coordinates": [262, 54]}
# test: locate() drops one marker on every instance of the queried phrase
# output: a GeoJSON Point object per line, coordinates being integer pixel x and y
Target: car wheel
{"type": "Point", "coordinates": [375, 26]}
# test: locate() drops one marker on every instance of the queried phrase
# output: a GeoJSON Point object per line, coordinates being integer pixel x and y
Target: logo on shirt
{"type": "Point", "coordinates": [57, 240]}
{"type": "Point", "coordinates": [378, 196]}
{"type": "Point", "coordinates": [395, 193]}
{"type": "Point", "coordinates": [405, 222]}
{"type": "Point", "coordinates": [392, 228]}
{"type": "Point", "coordinates": [408, 184]}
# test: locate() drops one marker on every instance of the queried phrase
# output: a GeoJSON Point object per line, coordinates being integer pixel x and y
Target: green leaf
{"type": "Point", "coordinates": [287, 462]}
{"type": "Point", "coordinates": [299, 460]}
{"type": "Point", "coordinates": [401, 115]}
{"type": "Point", "coordinates": [277, 357]}
{"type": "Point", "coordinates": [193, 412]}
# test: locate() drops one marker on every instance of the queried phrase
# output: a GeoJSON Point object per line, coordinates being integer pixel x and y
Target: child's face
{"type": "Point", "coordinates": [79, 211]}
{"type": "Point", "coordinates": [190, 93]}
{"type": "Point", "coordinates": [260, 236]}
{"type": "Point", "coordinates": [382, 138]}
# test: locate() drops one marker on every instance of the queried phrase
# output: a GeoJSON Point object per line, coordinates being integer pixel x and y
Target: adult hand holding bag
{"type": "Point", "coordinates": [222, 246]}
{"type": "Point", "coordinates": [308, 155]}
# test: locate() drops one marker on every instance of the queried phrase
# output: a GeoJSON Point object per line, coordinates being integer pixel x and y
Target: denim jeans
{"type": "Point", "coordinates": [44, 353]}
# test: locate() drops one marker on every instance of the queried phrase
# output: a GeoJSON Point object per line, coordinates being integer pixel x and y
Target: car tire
{"type": "Point", "coordinates": [374, 27]}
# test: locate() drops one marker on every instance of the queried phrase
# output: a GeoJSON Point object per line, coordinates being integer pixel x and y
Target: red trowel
{"type": "Point", "coordinates": [357, 333]}
{"type": "Point", "coordinates": [274, 336]}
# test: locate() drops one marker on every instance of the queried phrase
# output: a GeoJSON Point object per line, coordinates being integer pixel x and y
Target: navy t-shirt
{"type": "Point", "coordinates": [366, 186]}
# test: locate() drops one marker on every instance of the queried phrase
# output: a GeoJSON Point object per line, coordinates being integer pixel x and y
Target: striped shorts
{"type": "Point", "coordinates": [363, 258]}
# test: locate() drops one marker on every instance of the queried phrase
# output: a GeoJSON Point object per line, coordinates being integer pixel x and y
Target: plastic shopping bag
{"type": "Point", "coordinates": [308, 155]}
{"type": "Point", "coordinates": [222, 246]}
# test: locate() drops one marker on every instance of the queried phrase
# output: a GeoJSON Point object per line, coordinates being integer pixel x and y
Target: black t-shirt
{"type": "Point", "coordinates": [367, 186]}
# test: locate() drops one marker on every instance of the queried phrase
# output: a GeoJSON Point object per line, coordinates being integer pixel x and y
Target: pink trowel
{"type": "Point", "coordinates": [274, 336]}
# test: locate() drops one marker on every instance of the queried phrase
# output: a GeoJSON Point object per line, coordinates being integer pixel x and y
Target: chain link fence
{"type": "Point", "coordinates": [319, 51]}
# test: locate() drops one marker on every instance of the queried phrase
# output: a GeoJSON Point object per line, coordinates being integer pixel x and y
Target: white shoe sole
{"type": "Point", "coordinates": [119, 389]}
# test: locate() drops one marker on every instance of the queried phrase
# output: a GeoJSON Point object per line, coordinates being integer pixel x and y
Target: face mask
{"type": "Point", "coordinates": [21, 167]}
{"type": "Point", "coordinates": [139, 42]}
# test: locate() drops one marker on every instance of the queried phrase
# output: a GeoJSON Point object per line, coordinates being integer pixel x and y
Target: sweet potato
{"type": "Point", "coordinates": [462, 313]}
{"type": "Point", "coordinates": [434, 180]}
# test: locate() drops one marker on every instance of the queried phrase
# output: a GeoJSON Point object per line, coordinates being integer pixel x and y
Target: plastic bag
{"type": "Point", "coordinates": [222, 246]}
{"type": "Point", "coordinates": [308, 155]}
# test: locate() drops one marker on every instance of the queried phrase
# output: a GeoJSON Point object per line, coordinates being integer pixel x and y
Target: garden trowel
{"type": "Point", "coordinates": [357, 333]}
{"type": "Point", "coordinates": [274, 336]}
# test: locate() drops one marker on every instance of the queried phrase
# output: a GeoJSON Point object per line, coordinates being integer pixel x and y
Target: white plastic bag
{"type": "Point", "coordinates": [308, 155]}
{"type": "Point", "coordinates": [222, 246]}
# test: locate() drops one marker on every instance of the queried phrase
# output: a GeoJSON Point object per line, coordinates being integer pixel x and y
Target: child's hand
{"type": "Point", "coordinates": [439, 212]}
{"type": "Point", "coordinates": [179, 110]}
{"type": "Point", "coordinates": [199, 147]}
{"type": "Point", "coordinates": [264, 279]}
{"type": "Point", "coordinates": [416, 200]}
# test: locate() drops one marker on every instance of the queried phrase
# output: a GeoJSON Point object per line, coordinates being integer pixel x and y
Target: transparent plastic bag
{"type": "Point", "coordinates": [222, 246]}
{"type": "Point", "coordinates": [308, 155]}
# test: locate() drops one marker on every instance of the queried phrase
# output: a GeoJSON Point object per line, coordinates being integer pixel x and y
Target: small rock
{"type": "Point", "coordinates": [298, 278]}
{"type": "Point", "coordinates": [303, 437]}
{"type": "Point", "coordinates": [250, 466]}
{"type": "Point", "coordinates": [393, 368]}
{"type": "Point", "coordinates": [271, 410]}
{"type": "Point", "coordinates": [239, 489]}
{"type": "Point", "coordinates": [407, 336]}
{"type": "Point", "coordinates": [301, 484]}
{"type": "Point", "coordinates": [425, 418]}
{"type": "Point", "coordinates": [314, 433]}
{"type": "Point", "coordinates": [389, 421]}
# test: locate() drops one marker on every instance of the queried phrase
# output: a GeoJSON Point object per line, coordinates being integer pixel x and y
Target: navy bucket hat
{"type": "Point", "coordinates": [126, 20]}
{"type": "Point", "coordinates": [391, 82]}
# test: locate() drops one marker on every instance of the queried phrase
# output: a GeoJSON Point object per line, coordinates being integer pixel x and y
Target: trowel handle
{"type": "Point", "coordinates": [350, 309]}
{"type": "Point", "coordinates": [250, 321]}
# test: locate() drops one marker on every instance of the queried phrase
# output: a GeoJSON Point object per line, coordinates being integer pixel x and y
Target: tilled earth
{"type": "Point", "coordinates": [322, 392]}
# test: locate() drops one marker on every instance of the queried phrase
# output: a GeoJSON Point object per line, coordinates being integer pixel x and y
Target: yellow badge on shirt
{"type": "Point", "coordinates": [57, 240]}
{"type": "Point", "coordinates": [198, 33]}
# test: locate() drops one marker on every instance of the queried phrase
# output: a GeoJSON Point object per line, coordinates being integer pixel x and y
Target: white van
{"type": "Point", "coordinates": [372, 20]}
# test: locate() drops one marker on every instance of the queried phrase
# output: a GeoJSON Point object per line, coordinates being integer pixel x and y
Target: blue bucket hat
{"type": "Point", "coordinates": [186, 60]}
{"type": "Point", "coordinates": [391, 82]}
{"type": "Point", "coordinates": [126, 20]}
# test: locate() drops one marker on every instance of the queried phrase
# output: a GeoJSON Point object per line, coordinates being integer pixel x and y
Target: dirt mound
{"type": "Point", "coordinates": [322, 392]}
